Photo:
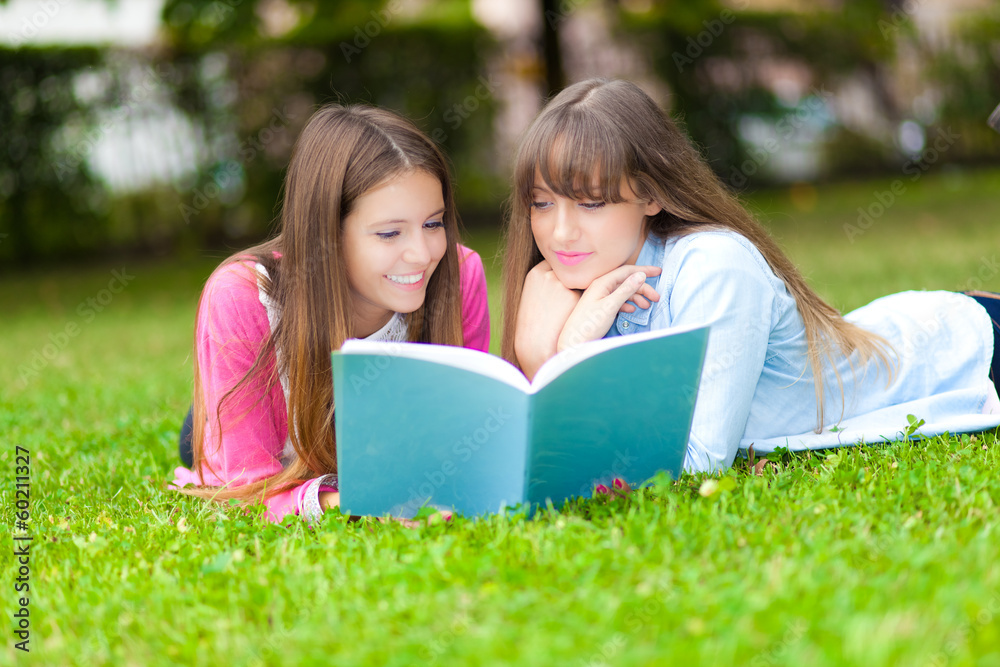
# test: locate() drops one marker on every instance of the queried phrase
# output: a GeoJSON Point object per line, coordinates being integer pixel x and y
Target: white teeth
{"type": "Point", "coordinates": [406, 280]}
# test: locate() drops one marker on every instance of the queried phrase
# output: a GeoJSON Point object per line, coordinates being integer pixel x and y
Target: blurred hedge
{"type": "Point", "coordinates": [245, 95]}
{"type": "Point", "coordinates": [707, 52]}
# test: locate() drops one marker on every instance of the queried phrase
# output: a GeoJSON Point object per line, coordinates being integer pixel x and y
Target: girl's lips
{"type": "Point", "coordinates": [571, 258]}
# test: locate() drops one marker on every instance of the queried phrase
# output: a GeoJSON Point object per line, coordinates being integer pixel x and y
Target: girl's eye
{"type": "Point", "coordinates": [386, 236]}
{"type": "Point", "coordinates": [592, 206]}
{"type": "Point", "coordinates": [434, 224]}
{"type": "Point", "coordinates": [541, 205]}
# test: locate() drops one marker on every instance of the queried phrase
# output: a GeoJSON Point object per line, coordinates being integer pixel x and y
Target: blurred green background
{"type": "Point", "coordinates": [162, 127]}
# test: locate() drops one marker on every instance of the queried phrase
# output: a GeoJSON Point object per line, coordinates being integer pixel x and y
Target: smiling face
{"type": "Point", "coordinates": [394, 238]}
{"type": "Point", "coordinates": [583, 239]}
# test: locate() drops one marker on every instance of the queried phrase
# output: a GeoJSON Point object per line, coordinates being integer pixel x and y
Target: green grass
{"type": "Point", "coordinates": [878, 556]}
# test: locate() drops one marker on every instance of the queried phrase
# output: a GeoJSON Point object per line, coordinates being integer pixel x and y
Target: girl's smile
{"type": "Point", "coordinates": [408, 282]}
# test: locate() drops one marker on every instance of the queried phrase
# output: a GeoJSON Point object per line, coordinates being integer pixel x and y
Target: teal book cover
{"type": "Point", "coordinates": [463, 430]}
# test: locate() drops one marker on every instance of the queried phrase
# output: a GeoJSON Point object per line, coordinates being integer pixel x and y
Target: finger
{"type": "Point", "coordinates": [647, 291]}
{"type": "Point", "coordinates": [627, 308]}
{"type": "Point", "coordinates": [611, 281]}
{"type": "Point", "coordinates": [621, 487]}
{"type": "Point", "coordinates": [649, 270]}
{"type": "Point", "coordinates": [628, 288]}
{"type": "Point", "coordinates": [615, 277]}
{"type": "Point", "coordinates": [640, 301]}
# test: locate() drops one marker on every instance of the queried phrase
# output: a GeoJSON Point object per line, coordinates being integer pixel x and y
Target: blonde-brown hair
{"type": "Point", "coordinates": [342, 153]}
{"type": "Point", "coordinates": [615, 129]}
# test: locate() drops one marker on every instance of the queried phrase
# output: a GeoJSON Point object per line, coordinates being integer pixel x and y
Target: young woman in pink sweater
{"type": "Point", "coordinates": [368, 248]}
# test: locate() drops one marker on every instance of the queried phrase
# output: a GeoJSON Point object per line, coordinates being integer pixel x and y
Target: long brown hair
{"type": "Point", "coordinates": [617, 130]}
{"type": "Point", "coordinates": [342, 153]}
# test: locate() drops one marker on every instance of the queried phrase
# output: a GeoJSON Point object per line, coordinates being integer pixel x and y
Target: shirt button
{"type": "Point", "coordinates": [625, 324]}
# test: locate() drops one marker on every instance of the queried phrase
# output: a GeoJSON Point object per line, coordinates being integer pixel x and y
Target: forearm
{"type": "Point", "coordinates": [533, 352]}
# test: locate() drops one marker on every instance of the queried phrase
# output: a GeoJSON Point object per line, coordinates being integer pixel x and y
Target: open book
{"type": "Point", "coordinates": [461, 429]}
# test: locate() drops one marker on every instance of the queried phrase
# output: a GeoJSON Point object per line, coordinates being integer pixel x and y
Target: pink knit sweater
{"type": "Point", "coordinates": [232, 324]}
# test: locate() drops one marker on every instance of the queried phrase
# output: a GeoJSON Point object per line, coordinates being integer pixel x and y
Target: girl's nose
{"type": "Point", "coordinates": [565, 229]}
{"type": "Point", "coordinates": [417, 251]}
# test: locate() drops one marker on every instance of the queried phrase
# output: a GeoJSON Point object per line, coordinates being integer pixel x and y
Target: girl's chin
{"type": "Point", "coordinates": [408, 306]}
{"type": "Point", "coordinates": [573, 279]}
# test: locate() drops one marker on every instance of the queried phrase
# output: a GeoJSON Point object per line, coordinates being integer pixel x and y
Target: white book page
{"type": "Point", "coordinates": [566, 359]}
{"type": "Point", "coordinates": [499, 369]}
{"type": "Point", "coordinates": [458, 357]}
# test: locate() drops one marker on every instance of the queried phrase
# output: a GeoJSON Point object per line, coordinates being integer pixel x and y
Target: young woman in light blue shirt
{"type": "Point", "coordinates": [618, 226]}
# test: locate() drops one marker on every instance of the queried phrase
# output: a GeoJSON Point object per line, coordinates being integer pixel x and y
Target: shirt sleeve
{"type": "Point", "coordinates": [232, 325]}
{"type": "Point", "coordinates": [475, 300]}
{"type": "Point", "coordinates": [721, 283]}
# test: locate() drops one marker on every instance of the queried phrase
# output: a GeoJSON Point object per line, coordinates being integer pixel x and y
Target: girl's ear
{"type": "Point", "coordinates": [652, 208]}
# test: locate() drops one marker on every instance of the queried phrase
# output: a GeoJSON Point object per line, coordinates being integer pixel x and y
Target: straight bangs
{"type": "Point", "coordinates": [578, 156]}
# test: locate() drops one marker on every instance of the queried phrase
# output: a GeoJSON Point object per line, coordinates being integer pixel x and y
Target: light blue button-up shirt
{"type": "Point", "coordinates": [757, 386]}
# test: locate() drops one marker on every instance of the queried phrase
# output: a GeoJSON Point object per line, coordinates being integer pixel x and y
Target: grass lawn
{"type": "Point", "coordinates": [879, 556]}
